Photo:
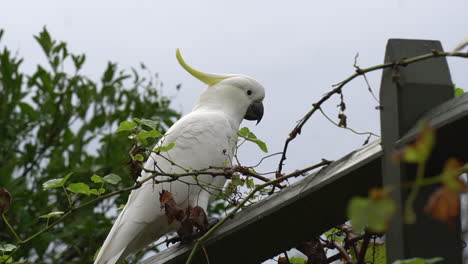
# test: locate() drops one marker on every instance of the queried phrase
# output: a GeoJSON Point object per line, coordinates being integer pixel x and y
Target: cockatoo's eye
{"type": "Point", "coordinates": [249, 92]}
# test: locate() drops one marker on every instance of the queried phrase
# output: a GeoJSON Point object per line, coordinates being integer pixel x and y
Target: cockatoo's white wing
{"type": "Point", "coordinates": [202, 139]}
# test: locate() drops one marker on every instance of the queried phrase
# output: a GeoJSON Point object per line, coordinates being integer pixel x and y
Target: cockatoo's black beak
{"type": "Point", "coordinates": [254, 112]}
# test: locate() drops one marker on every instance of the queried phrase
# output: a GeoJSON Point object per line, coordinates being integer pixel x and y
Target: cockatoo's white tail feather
{"type": "Point", "coordinates": [112, 249]}
{"type": "Point", "coordinates": [130, 231]}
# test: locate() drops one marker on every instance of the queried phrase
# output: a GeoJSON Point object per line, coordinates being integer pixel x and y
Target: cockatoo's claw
{"type": "Point", "coordinates": [172, 241]}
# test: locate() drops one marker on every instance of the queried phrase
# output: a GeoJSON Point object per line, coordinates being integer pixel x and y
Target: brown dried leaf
{"type": "Point", "coordinates": [444, 205]}
{"type": "Point", "coordinates": [198, 217]}
{"type": "Point", "coordinates": [450, 176]}
{"type": "Point", "coordinates": [5, 200]}
{"type": "Point", "coordinates": [173, 211]}
{"type": "Point", "coordinates": [186, 228]}
{"type": "Point", "coordinates": [283, 260]}
{"type": "Point", "coordinates": [343, 120]}
{"type": "Point", "coordinates": [378, 194]}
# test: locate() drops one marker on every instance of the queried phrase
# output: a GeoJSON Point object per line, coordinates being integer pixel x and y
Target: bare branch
{"type": "Point", "coordinates": [338, 87]}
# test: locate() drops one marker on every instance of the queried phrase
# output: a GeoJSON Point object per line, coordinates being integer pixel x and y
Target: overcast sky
{"type": "Point", "coordinates": [296, 49]}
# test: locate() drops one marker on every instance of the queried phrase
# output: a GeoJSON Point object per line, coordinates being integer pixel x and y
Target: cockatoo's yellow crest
{"type": "Point", "coordinates": [208, 78]}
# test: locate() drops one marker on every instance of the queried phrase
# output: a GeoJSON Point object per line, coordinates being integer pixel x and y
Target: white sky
{"type": "Point", "coordinates": [296, 49]}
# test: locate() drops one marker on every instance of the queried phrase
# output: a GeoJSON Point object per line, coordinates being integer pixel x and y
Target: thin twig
{"type": "Point", "coordinates": [361, 258]}
{"type": "Point", "coordinates": [206, 255]}
{"type": "Point", "coordinates": [409, 211]}
{"type": "Point", "coordinates": [11, 228]}
{"type": "Point", "coordinates": [343, 252]}
{"type": "Point", "coordinates": [365, 77]}
{"type": "Point", "coordinates": [369, 88]}
{"type": "Point", "coordinates": [348, 128]}
{"type": "Point", "coordinates": [266, 157]}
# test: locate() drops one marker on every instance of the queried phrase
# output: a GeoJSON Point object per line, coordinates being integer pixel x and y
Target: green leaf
{"type": "Point", "coordinates": [126, 125]}
{"type": "Point", "coordinates": [165, 148]}
{"type": "Point", "coordinates": [143, 135]}
{"type": "Point", "coordinates": [146, 122]}
{"type": "Point", "coordinates": [297, 260]}
{"type": "Point", "coordinates": [139, 157]}
{"type": "Point", "coordinates": [78, 61]}
{"type": "Point", "coordinates": [109, 72]}
{"type": "Point", "coordinates": [357, 213]}
{"type": "Point", "coordinates": [97, 179]}
{"type": "Point", "coordinates": [458, 91]}
{"type": "Point", "coordinates": [421, 149]}
{"type": "Point", "coordinates": [98, 191]}
{"type": "Point", "coordinates": [335, 234]}
{"type": "Point", "coordinates": [243, 132]}
{"type": "Point", "coordinates": [4, 258]}
{"type": "Point", "coordinates": [79, 187]}
{"type": "Point", "coordinates": [112, 178]}
{"type": "Point", "coordinates": [375, 214]}
{"type": "Point", "coordinates": [7, 247]}
{"type": "Point", "coordinates": [236, 180]}
{"type": "Point", "coordinates": [260, 144]}
{"type": "Point", "coordinates": [52, 214]}
{"type": "Point", "coordinates": [249, 136]}
{"type": "Point", "coordinates": [45, 41]}
{"type": "Point", "coordinates": [29, 111]}
{"type": "Point", "coordinates": [419, 261]}
{"type": "Point", "coordinates": [250, 183]}
{"type": "Point", "coordinates": [54, 183]}
{"type": "Point", "coordinates": [153, 134]}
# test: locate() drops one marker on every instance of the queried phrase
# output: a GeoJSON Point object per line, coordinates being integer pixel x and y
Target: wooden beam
{"type": "Point", "coordinates": [317, 202]}
{"type": "Point", "coordinates": [283, 220]}
{"type": "Point", "coordinates": [406, 94]}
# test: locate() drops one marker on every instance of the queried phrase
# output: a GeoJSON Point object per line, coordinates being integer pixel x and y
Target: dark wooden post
{"type": "Point", "coordinates": [406, 94]}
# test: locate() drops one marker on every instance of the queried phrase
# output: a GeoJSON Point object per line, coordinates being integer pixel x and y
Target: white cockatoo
{"type": "Point", "coordinates": [206, 137]}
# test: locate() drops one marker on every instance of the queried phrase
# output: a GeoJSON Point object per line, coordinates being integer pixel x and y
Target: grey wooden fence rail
{"type": "Point", "coordinates": [318, 202]}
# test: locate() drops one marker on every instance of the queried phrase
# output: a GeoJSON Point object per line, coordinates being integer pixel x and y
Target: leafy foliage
{"type": "Point", "coordinates": [58, 129]}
